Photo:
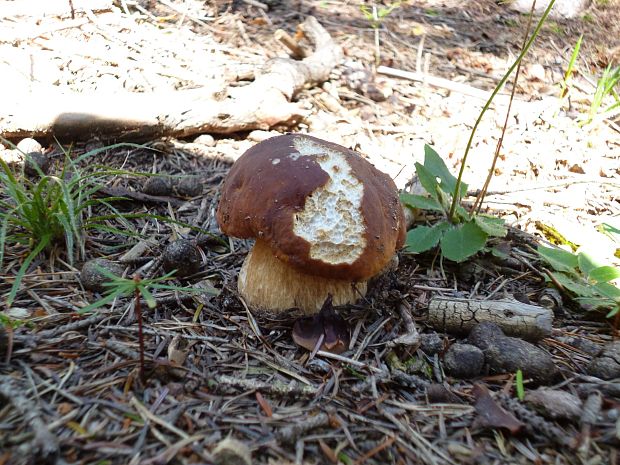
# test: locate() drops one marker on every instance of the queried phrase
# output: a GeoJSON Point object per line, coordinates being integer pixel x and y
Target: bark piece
{"type": "Point", "coordinates": [261, 104]}
{"type": "Point", "coordinates": [514, 318]}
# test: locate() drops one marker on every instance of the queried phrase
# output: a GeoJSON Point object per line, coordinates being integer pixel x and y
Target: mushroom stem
{"type": "Point", "coordinates": [267, 283]}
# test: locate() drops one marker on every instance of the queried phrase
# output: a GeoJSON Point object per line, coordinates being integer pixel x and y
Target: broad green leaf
{"type": "Point", "coordinates": [604, 274]}
{"type": "Point", "coordinates": [587, 262]}
{"type": "Point", "coordinates": [463, 241]}
{"type": "Point", "coordinates": [491, 225]}
{"type": "Point", "coordinates": [427, 179]}
{"type": "Point", "coordinates": [596, 302]}
{"type": "Point", "coordinates": [437, 167]}
{"type": "Point", "coordinates": [420, 201]}
{"type": "Point", "coordinates": [424, 238]}
{"type": "Point", "coordinates": [578, 287]}
{"type": "Point", "coordinates": [608, 290]}
{"type": "Point", "coordinates": [614, 311]}
{"type": "Point", "coordinates": [559, 259]}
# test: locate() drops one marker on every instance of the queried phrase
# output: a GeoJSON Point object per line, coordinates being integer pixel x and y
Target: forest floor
{"type": "Point", "coordinates": [70, 390]}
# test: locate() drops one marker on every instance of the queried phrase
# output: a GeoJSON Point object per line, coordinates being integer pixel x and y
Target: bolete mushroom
{"type": "Point", "coordinates": [325, 221]}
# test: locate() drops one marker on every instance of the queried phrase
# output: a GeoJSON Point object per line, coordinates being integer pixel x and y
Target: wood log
{"type": "Point", "coordinates": [517, 319]}
{"type": "Point", "coordinates": [261, 104]}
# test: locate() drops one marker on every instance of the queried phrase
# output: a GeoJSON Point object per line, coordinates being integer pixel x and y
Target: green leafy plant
{"type": "Point", "coordinates": [460, 236]}
{"type": "Point", "coordinates": [43, 212]}
{"type": "Point", "coordinates": [585, 277]}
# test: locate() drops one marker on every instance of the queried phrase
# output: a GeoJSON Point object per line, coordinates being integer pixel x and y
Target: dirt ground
{"type": "Point", "coordinates": [69, 385]}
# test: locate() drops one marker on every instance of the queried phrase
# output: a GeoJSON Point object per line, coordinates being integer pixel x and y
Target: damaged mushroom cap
{"type": "Point", "coordinates": [319, 208]}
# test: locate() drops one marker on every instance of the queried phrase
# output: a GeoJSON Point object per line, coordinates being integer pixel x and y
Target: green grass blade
{"type": "Point", "coordinates": [22, 270]}
{"type": "Point", "coordinates": [499, 86]}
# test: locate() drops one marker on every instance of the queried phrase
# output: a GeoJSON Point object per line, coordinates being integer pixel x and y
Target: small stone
{"type": "Point", "coordinates": [189, 186]}
{"type": "Point", "coordinates": [555, 405]}
{"type": "Point", "coordinates": [183, 256]}
{"type": "Point", "coordinates": [157, 185]}
{"type": "Point", "coordinates": [91, 276]}
{"type": "Point", "coordinates": [606, 365]}
{"type": "Point", "coordinates": [463, 361]}
{"type": "Point", "coordinates": [431, 343]}
{"type": "Point", "coordinates": [28, 145]}
{"type": "Point", "coordinates": [34, 160]}
{"type": "Point", "coordinates": [205, 139]}
{"type": "Point", "coordinates": [505, 354]}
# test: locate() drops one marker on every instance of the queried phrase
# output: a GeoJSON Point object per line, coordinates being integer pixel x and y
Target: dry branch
{"type": "Point", "coordinates": [515, 318]}
{"type": "Point", "coordinates": [261, 104]}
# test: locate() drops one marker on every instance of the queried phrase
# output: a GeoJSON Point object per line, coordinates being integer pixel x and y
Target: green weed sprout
{"type": "Point", "coordinates": [460, 234]}
{"type": "Point", "coordinates": [460, 238]}
{"type": "Point", "coordinates": [118, 287]}
{"type": "Point", "coordinates": [519, 385]}
{"type": "Point", "coordinates": [375, 15]}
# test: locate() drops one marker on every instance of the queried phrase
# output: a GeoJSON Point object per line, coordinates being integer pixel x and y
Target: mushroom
{"type": "Point", "coordinates": [325, 221]}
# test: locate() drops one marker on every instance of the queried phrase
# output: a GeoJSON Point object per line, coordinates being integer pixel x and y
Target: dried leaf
{"type": "Point", "coordinates": [175, 354]}
{"type": "Point", "coordinates": [327, 324]}
{"type": "Point", "coordinates": [490, 414]}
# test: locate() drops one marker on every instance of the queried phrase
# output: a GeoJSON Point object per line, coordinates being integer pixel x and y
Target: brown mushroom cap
{"type": "Point", "coordinates": [321, 207]}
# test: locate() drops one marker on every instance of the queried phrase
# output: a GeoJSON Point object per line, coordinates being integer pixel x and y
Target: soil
{"type": "Point", "coordinates": [71, 390]}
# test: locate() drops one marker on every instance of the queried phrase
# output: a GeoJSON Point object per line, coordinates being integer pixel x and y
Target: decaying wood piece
{"type": "Point", "coordinates": [515, 318]}
{"type": "Point", "coordinates": [261, 104]}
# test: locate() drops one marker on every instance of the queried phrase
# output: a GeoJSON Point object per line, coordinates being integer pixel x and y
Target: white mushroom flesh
{"type": "Point", "coordinates": [331, 220]}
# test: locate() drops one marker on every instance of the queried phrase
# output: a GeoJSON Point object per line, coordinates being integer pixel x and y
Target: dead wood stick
{"type": "Point", "coordinates": [274, 388]}
{"type": "Point", "coordinates": [289, 434]}
{"type": "Point", "coordinates": [435, 81]}
{"type": "Point", "coordinates": [515, 318]}
{"type": "Point", "coordinates": [297, 51]}
{"type": "Point", "coordinates": [261, 104]}
{"type": "Point", "coordinates": [412, 337]}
